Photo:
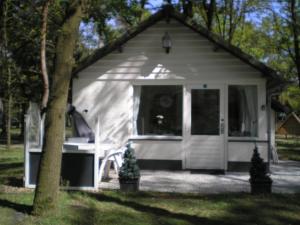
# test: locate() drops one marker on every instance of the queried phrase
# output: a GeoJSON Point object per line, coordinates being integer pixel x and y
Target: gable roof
{"type": "Point", "coordinates": [291, 116]}
{"type": "Point", "coordinates": [275, 81]}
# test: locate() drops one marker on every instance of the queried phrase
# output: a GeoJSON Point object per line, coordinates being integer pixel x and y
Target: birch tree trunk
{"type": "Point", "coordinates": [43, 57]}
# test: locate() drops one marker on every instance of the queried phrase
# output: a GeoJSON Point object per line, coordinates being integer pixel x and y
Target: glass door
{"type": "Point", "coordinates": [205, 112]}
{"type": "Point", "coordinates": [204, 137]}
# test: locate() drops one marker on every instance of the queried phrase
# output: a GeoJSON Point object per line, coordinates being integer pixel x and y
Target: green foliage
{"type": "Point", "coordinates": [11, 165]}
{"type": "Point", "coordinates": [129, 169]}
{"type": "Point", "coordinates": [150, 208]}
{"type": "Point", "coordinates": [291, 97]}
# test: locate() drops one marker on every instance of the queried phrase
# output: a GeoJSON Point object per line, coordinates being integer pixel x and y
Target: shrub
{"type": "Point", "coordinates": [129, 169]}
{"type": "Point", "coordinates": [258, 169]}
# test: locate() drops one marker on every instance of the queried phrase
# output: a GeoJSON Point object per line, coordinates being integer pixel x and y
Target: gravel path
{"type": "Point", "coordinates": [285, 175]}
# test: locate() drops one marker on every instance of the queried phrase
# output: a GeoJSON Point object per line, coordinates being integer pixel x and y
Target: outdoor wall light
{"type": "Point", "coordinates": [166, 42]}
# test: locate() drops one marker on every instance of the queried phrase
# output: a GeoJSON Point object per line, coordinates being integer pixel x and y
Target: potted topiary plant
{"type": "Point", "coordinates": [259, 179]}
{"type": "Point", "coordinates": [129, 174]}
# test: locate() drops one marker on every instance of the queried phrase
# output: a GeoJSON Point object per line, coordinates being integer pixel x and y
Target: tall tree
{"type": "Point", "coordinates": [285, 35]}
{"type": "Point", "coordinates": [6, 72]}
{"type": "Point", "coordinates": [210, 9]}
{"type": "Point", "coordinates": [295, 25]}
{"type": "Point", "coordinates": [46, 195]}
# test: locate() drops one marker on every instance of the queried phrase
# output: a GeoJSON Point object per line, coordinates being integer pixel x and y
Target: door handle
{"type": "Point", "coordinates": [222, 127]}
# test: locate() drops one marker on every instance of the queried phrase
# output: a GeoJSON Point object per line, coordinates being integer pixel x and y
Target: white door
{"type": "Point", "coordinates": [204, 128]}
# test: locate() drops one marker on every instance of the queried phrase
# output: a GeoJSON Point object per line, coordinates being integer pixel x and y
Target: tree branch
{"type": "Point", "coordinates": [43, 56]}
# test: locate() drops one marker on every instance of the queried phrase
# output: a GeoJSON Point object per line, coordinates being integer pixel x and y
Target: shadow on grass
{"type": "Point", "coordinates": [14, 181]}
{"type": "Point", "coordinates": [240, 209]}
{"type": "Point", "coordinates": [7, 166]}
{"type": "Point", "coordinates": [184, 196]}
{"type": "Point", "coordinates": [159, 212]}
{"type": "Point", "coordinates": [16, 206]}
{"type": "Point", "coordinates": [84, 215]}
{"type": "Point", "coordinates": [11, 174]}
{"type": "Point", "coordinates": [265, 210]}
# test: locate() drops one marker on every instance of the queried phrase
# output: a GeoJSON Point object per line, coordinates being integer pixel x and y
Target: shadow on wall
{"type": "Point", "coordinates": [112, 100]}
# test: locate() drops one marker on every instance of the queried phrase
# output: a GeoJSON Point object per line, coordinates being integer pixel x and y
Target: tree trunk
{"type": "Point", "coordinates": [296, 34]}
{"type": "Point", "coordinates": [7, 71]}
{"type": "Point", "coordinates": [210, 14]}
{"type": "Point", "coordinates": [46, 195]}
{"type": "Point", "coordinates": [187, 8]}
{"type": "Point", "coordinates": [8, 115]}
{"type": "Point", "coordinates": [231, 25]}
{"type": "Point", "coordinates": [3, 122]}
{"type": "Point", "coordinates": [22, 120]}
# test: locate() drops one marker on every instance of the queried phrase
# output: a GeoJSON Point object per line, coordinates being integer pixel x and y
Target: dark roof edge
{"type": "Point", "coordinates": [275, 79]}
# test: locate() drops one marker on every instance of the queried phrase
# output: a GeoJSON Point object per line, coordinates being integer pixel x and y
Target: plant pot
{"type": "Point", "coordinates": [262, 186]}
{"type": "Point", "coordinates": [131, 185]}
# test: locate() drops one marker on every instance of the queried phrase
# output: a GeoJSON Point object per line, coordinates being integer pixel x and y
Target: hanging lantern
{"type": "Point", "coordinates": [166, 42]}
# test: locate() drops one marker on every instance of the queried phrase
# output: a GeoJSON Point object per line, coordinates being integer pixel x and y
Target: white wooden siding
{"type": "Point", "coordinates": [208, 154]}
{"type": "Point", "coordinates": [105, 88]}
{"type": "Point", "coordinates": [242, 151]}
{"type": "Point", "coordinates": [164, 150]}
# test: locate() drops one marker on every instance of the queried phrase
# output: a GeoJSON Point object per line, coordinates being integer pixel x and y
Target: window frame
{"type": "Point", "coordinates": [156, 136]}
{"type": "Point", "coordinates": [258, 93]}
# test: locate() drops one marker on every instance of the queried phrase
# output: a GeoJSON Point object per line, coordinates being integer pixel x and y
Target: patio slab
{"type": "Point", "coordinates": [285, 175]}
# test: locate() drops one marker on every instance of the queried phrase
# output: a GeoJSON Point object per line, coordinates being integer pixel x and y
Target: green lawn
{"type": "Point", "coordinates": [113, 207]}
{"type": "Point", "coordinates": [288, 149]}
{"type": "Point", "coordinates": [11, 165]}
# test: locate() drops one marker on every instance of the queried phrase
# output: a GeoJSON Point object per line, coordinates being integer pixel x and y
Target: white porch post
{"type": "Point", "coordinates": [269, 99]}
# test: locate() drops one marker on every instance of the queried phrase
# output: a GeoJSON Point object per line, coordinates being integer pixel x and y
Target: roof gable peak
{"type": "Point", "coordinates": [168, 12]}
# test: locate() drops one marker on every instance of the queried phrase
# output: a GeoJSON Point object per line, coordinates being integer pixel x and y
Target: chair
{"type": "Point", "coordinates": [114, 155]}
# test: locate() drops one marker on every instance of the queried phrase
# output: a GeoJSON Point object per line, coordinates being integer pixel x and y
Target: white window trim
{"type": "Point", "coordinates": [157, 136]}
{"type": "Point", "coordinates": [256, 137]}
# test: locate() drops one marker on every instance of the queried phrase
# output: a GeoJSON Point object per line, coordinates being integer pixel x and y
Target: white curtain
{"type": "Point", "coordinates": [34, 126]}
{"type": "Point", "coordinates": [248, 110]}
{"type": "Point", "coordinates": [251, 102]}
{"type": "Point", "coordinates": [136, 107]}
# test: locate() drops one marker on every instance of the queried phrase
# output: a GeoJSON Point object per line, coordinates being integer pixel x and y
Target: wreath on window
{"type": "Point", "coordinates": [166, 101]}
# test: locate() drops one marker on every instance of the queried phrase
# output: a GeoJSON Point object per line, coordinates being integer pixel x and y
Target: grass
{"type": "Point", "coordinates": [288, 149]}
{"type": "Point", "coordinates": [11, 165]}
{"type": "Point", "coordinates": [16, 138]}
{"type": "Point", "coordinates": [112, 207]}
{"type": "Point", "coordinates": [143, 208]}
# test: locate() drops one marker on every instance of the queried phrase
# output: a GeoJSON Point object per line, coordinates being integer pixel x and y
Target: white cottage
{"type": "Point", "coordinates": [201, 104]}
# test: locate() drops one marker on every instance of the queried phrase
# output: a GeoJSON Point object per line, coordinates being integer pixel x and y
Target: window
{"type": "Point", "coordinates": [242, 110]}
{"type": "Point", "coordinates": [158, 110]}
{"type": "Point", "coordinates": [205, 112]}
